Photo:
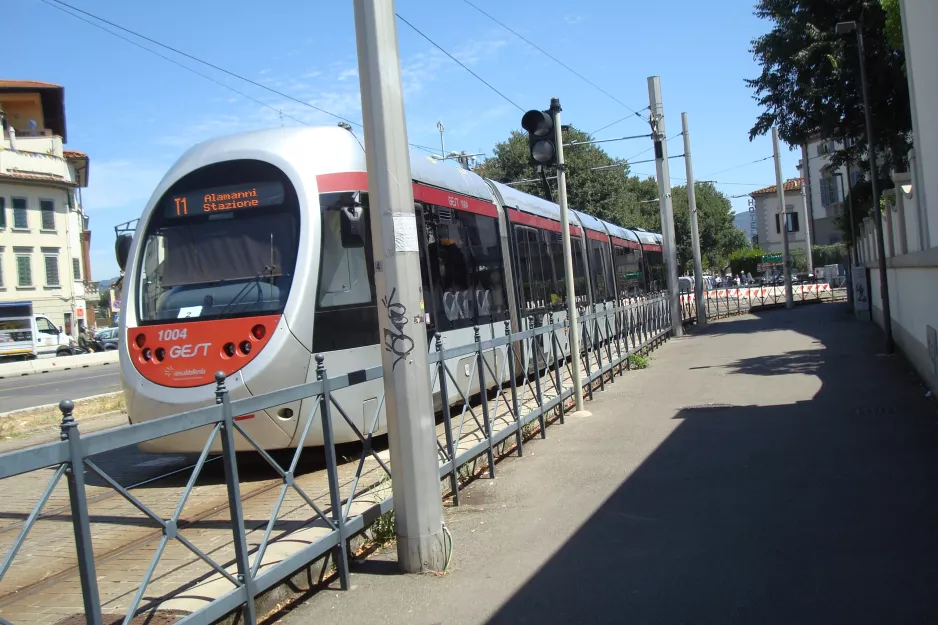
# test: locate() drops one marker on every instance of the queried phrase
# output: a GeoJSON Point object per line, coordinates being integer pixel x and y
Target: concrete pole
{"type": "Point", "coordinates": [809, 252]}
{"type": "Point", "coordinates": [659, 137]}
{"type": "Point", "coordinates": [694, 232]}
{"type": "Point", "coordinates": [568, 262]}
{"type": "Point", "coordinates": [782, 219]}
{"type": "Point", "coordinates": [418, 505]}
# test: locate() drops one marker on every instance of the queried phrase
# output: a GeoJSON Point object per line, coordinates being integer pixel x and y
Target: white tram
{"type": "Point", "coordinates": [253, 255]}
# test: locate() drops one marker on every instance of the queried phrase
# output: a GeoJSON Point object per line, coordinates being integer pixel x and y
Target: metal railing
{"type": "Point", "coordinates": [727, 301]}
{"type": "Point", "coordinates": [524, 375]}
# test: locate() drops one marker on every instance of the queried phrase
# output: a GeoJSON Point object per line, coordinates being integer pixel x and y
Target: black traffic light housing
{"type": "Point", "coordinates": [540, 128]}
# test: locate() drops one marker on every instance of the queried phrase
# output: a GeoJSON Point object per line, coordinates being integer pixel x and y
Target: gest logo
{"type": "Point", "coordinates": [189, 350]}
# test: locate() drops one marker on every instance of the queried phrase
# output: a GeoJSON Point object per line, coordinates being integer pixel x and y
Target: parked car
{"type": "Point", "coordinates": [106, 339]}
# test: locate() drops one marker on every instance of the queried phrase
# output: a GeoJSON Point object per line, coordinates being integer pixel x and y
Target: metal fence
{"type": "Point", "coordinates": [527, 379]}
{"type": "Point", "coordinates": [739, 300]}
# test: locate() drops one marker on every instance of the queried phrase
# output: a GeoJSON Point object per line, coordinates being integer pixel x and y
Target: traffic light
{"type": "Point", "coordinates": [540, 127]}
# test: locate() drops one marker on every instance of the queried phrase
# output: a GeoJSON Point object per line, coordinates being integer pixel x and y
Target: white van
{"type": "Point", "coordinates": [25, 334]}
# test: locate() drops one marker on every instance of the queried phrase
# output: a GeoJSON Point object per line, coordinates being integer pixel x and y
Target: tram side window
{"type": "Point", "coordinates": [346, 308]}
{"type": "Point", "coordinates": [602, 286]}
{"type": "Point", "coordinates": [579, 272]}
{"type": "Point", "coordinates": [554, 282]}
{"type": "Point", "coordinates": [530, 266]}
{"type": "Point", "coordinates": [466, 268]}
{"type": "Point", "coordinates": [628, 271]}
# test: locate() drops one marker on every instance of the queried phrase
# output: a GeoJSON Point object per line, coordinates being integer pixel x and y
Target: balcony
{"type": "Point", "coordinates": [29, 164]}
{"type": "Point", "coordinates": [40, 141]}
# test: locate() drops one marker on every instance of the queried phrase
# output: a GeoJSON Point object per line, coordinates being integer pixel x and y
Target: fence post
{"type": "Point", "coordinates": [537, 381]}
{"type": "Point", "coordinates": [598, 347]}
{"type": "Point", "coordinates": [447, 421]}
{"type": "Point", "coordinates": [340, 553]}
{"type": "Point", "coordinates": [510, 355]}
{"type": "Point", "coordinates": [81, 524]}
{"type": "Point", "coordinates": [586, 357]}
{"type": "Point", "coordinates": [609, 335]}
{"type": "Point", "coordinates": [230, 464]}
{"type": "Point", "coordinates": [556, 364]}
{"type": "Point", "coordinates": [483, 393]}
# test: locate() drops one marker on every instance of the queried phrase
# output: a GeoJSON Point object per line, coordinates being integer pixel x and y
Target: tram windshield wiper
{"type": "Point", "coordinates": [254, 281]}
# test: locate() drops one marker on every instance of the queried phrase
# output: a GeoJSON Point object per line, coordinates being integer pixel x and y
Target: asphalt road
{"type": "Point", "coordinates": [48, 388]}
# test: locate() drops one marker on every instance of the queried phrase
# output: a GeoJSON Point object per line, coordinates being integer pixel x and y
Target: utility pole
{"type": "Point", "coordinates": [782, 219]}
{"type": "Point", "coordinates": [664, 192]}
{"type": "Point", "coordinates": [568, 261]}
{"type": "Point", "coordinates": [694, 232]}
{"type": "Point", "coordinates": [809, 252]}
{"type": "Point", "coordinates": [418, 506]}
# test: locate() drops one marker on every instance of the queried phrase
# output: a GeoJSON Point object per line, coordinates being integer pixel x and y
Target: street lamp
{"type": "Point", "coordinates": [845, 28]}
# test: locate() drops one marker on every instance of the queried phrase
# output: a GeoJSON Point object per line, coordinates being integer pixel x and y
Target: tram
{"type": "Point", "coordinates": [253, 255]}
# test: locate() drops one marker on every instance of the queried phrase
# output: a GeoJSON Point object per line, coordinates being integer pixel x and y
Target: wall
{"type": "Point", "coordinates": [919, 20]}
{"type": "Point", "coordinates": [766, 209]}
{"type": "Point", "coordinates": [913, 302]}
{"type": "Point", "coordinates": [20, 108]}
{"type": "Point", "coordinates": [912, 277]}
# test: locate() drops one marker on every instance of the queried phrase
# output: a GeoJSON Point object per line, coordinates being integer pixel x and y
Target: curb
{"type": "Point", "coordinates": [13, 413]}
{"type": "Point", "coordinates": [65, 363]}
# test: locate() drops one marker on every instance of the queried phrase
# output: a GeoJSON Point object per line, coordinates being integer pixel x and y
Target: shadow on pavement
{"type": "Point", "coordinates": [820, 511]}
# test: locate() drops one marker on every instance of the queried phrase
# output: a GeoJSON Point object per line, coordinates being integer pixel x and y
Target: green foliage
{"type": "Point", "coordinates": [810, 80]}
{"type": "Point", "coordinates": [893, 24]}
{"type": "Point", "coordinates": [382, 530]}
{"type": "Point", "coordinates": [746, 261]}
{"type": "Point", "coordinates": [719, 238]}
{"type": "Point", "coordinates": [637, 361]}
{"type": "Point", "coordinates": [828, 254]}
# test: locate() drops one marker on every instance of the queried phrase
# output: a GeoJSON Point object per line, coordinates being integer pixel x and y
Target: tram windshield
{"type": "Point", "coordinates": [215, 250]}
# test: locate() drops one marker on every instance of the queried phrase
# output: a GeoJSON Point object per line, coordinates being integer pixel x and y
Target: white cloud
{"type": "Point", "coordinates": [348, 73]}
{"type": "Point", "coordinates": [313, 74]}
{"type": "Point", "coordinates": [573, 19]}
{"type": "Point", "coordinates": [121, 184]}
{"type": "Point", "coordinates": [266, 70]}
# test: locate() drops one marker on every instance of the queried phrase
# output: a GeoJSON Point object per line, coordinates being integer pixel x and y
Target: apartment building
{"type": "Point", "coordinates": [769, 220]}
{"type": "Point", "coordinates": [44, 235]}
{"type": "Point", "coordinates": [826, 188]}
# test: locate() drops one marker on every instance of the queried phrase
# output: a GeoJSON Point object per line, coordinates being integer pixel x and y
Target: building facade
{"type": "Point", "coordinates": [826, 188]}
{"type": "Point", "coordinates": [44, 234]}
{"type": "Point", "coordinates": [769, 219]}
{"type": "Point", "coordinates": [910, 224]}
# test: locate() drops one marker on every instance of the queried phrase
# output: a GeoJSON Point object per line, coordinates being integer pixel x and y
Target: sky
{"type": "Point", "coordinates": [134, 113]}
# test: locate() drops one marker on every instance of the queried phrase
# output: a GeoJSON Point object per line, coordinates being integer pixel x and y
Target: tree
{"type": "Point", "coordinates": [810, 81]}
{"type": "Point", "coordinates": [719, 237]}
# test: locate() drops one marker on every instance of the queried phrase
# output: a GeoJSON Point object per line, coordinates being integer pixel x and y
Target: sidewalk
{"type": "Point", "coordinates": [772, 470]}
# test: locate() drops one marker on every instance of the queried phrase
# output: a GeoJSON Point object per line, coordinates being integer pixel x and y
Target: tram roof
{"type": "Point", "coordinates": [591, 223]}
{"type": "Point", "coordinates": [622, 233]}
{"type": "Point", "coordinates": [648, 238]}
{"type": "Point", "coordinates": [446, 176]}
{"type": "Point", "coordinates": [513, 198]}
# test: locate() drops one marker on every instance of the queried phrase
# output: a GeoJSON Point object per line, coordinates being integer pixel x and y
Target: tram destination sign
{"type": "Point", "coordinates": [224, 199]}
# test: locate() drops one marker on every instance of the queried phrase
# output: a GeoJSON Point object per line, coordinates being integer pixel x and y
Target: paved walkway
{"type": "Point", "coordinates": [772, 470]}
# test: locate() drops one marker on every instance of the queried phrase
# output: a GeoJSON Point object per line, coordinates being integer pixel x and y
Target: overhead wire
{"type": "Point", "coordinates": [758, 160]}
{"type": "Point", "coordinates": [559, 62]}
{"type": "Point", "coordinates": [174, 62]}
{"type": "Point", "coordinates": [54, 3]}
{"type": "Point", "coordinates": [460, 63]}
